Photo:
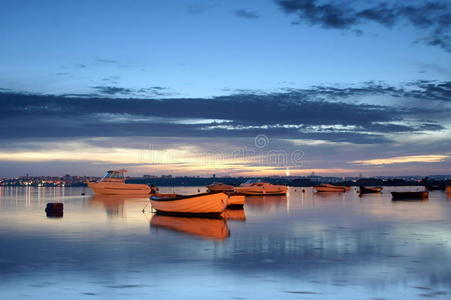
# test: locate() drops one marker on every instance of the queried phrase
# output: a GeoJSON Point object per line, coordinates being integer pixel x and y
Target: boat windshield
{"type": "Point", "coordinates": [253, 181]}
{"type": "Point", "coordinates": [114, 174]}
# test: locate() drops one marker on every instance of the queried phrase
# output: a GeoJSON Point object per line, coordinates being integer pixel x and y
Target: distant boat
{"type": "Point", "coordinates": [324, 187]}
{"type": "Point", "coordinates": [435, 187]}
{"type": "Point", "coordinates": [113, 183]}
{"type": "Point", "coordinates": [252, 187]}
{"type": "Point", "coordinates": [202, 227]}
{"type": "Point", "coordinates": [410, 195]}
{"type": "Point", "coordinates": [198, 204]}
{"type": "Point", "coordinates": [370, 190]}
{"type": "Point", "coordinates": [219, 187]}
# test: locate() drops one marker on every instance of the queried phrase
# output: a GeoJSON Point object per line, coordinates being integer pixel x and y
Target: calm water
{"type": "Point", "coordinates": [303, 246]}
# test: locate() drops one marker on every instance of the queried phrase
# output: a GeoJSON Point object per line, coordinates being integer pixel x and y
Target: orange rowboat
{"type": "Point", "coordinates": [199, 204]}
{"type": "Point", "coordinates": [202, 227]}
{"type": "Point", "coordinates": [329, 188]}
{"type": "Point", "coordinates": [236, 200]}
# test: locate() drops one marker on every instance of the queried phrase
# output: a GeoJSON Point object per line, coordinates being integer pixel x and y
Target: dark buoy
{"type": "Point", "coordinates": [54, 210]}
{"type": "Point", "coordinates": [295, 190]}
{"type": "Point", "coordinates": [303, 190]}
{"type": "Point", "coordinates": [198, 190]}
{"type": "Point", "coordinates": [83, 194]}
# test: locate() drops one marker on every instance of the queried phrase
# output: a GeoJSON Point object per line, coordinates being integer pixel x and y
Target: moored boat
{"type": "Point", "coordinates": [202, 227]}
{"type": "Point", "coordinates": [113, 183]}
{"type": "Point", "coordinates": [324, 187]}
{"type": "Point", "coordinates": [259, 188]}
{"type": "Point", "coordinates": [410, 195]}
{"type": "Point", "coordinates": [370, 190]}
{"type": "Point", "coordinates": [236, 200]}
{"type": "Point", "coordinates": [219, 187]}
{"type": "Point", "coordinates": [198, 204]}
{"type": "Point", "coordinates": [448, 189]}
{"type": "Point", "coordinates": [435, 187]}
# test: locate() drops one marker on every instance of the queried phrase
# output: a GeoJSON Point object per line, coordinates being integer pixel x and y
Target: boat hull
{"type": "Point", "coordinates": [370, 190]}
{"type": "Point", "coordinates": [259, 191]}
{"type": "Point", "coordinates": [118, 188]}
{"type": "Point", "coordinates": [448, 189]}
{"type": "Point", "coordinates": [323, 189]}
{"type": "Point", "coordinates": [236, 200]}
{"type": "Point", "coordinates": [216, 188]}
{"type": "Point", "coordinates": [409, 195]}
{"type": "Point", "coordinates": [194, 204]}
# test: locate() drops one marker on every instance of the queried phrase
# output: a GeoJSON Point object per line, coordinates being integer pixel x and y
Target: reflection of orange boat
{"type": "Point", "coordinates": [234, 214]}
{"type": "Point", "coordinates": [206, 203]}
{"type": "Point", "coordinates": [203, 227]}
{"type": "Point", "coordinates": [266, 203]}
{"type": "Point", "coordinates": [113, 183]}
{"type": "Point", "coordinates": [258, 188]}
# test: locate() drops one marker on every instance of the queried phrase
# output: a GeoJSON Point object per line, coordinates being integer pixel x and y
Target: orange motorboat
{"type": "Point", "coordinates": [259, 188]}
{"type": "Point", "coordinates": [219, 187]}
{"type": "Point", "coordinates": [113, 183]}
{"type": "Point", "coordinates": [202, 227]}
{"type": "Point", "coordinates": [198, 204]}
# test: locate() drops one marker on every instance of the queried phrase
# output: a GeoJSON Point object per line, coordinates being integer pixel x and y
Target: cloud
{"type": "Point", "coordinates": [153, 91]}
{"type": "Point", "coordinates": [247, 14]}
{"type": "Point", "coordinates": [324, 113]}
{"type": "Point", "coordinates": [404, 159]}
{"type": "Point", "coordinates": [432, 17]}
{"type": "Point", "coordinates": [107, 61]}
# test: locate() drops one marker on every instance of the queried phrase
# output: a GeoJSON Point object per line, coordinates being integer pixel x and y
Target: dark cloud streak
{"type": "Point", "coordinates": [246, 14]}
{"type": "Point", "coordinates": [320, 113]}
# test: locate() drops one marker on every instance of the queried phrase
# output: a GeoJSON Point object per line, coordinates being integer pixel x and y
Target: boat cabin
{"type": "Point", "coordinates": [114, 176]}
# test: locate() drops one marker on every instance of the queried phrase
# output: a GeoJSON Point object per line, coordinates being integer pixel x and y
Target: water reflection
{"type": "Point", "coordinates": [267, 203]}
{"type": "Point", "coordinates": [114, 204]}
{"type": "Point", "coordinates": [235, 214]}
{"type": "Point", "coordinates": [302, 245]}
{"type": "Point", "coordinates": [201, 227]}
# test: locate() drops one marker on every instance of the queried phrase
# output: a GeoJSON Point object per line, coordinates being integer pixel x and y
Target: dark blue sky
{"type": "Point", "coordinates": [345, 82]}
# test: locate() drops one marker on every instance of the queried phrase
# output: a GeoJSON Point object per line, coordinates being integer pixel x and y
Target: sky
{"type": "Point", "coordinates": [232, 88]}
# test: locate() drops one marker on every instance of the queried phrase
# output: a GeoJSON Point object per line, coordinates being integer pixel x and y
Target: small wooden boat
{"type": "Point", "coordinates": [219, 187]}
{"type": "Point", "coordinates": [236, 200]}
{"type": "Point", "coordinates": [370, 190]}
{"type": "Point", "coordinates": [448, 189]}
{"type": "Point", "coordinates": [329, 188]}
{"type": "Point", "coordinates": [410, 195]}
{"type": "Point", "coordinates": [259, 188]}
{"type": "Point", "coordinates": [113, 183]}
{"type": "Point", "coordinates": [198, 204]}
{"type": "Point", "coordinates": [202, 227]}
